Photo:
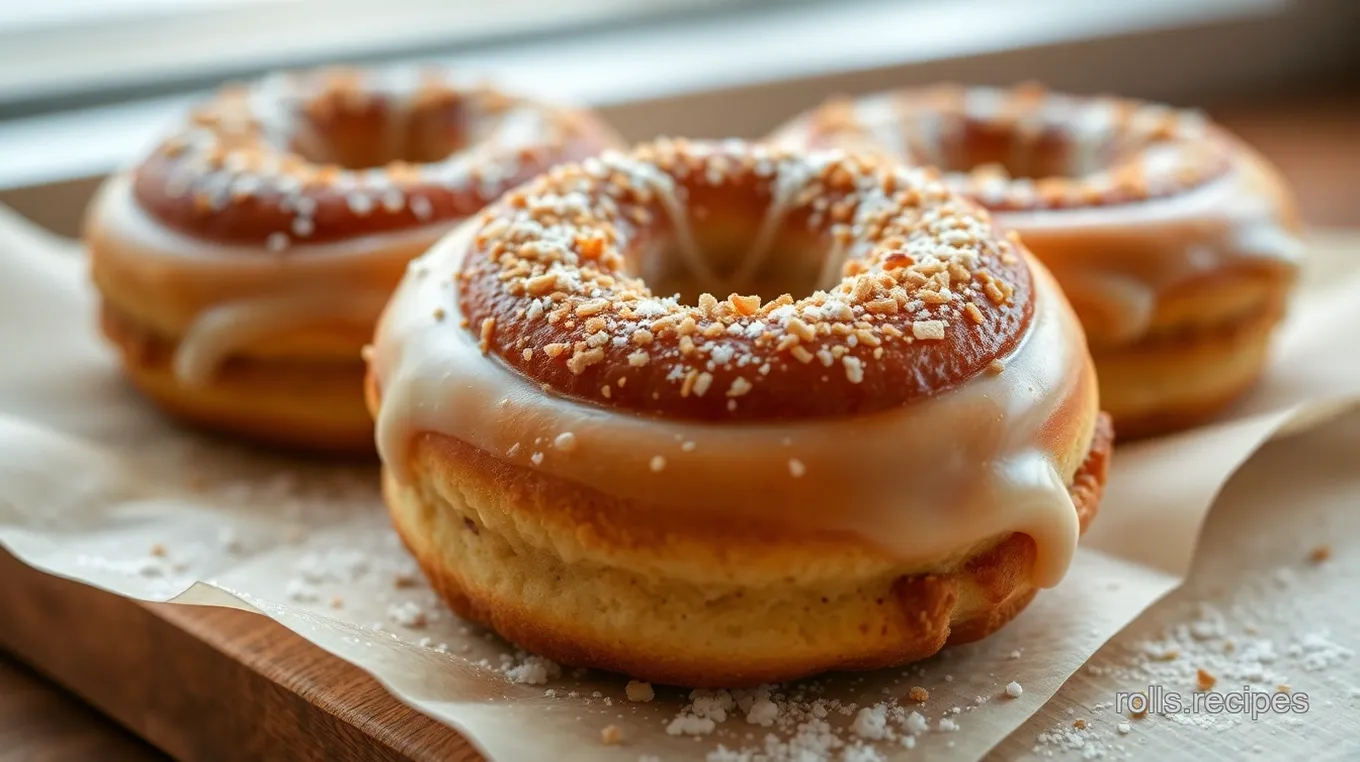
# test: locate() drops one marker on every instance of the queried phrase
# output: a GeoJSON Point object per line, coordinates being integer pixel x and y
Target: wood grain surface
{"type": "Point", "coordinates": [212, 684]}
{"type": "Point", "coordinates": [203, 684]}
{"type": "Point", "coordinates": [40, 723]}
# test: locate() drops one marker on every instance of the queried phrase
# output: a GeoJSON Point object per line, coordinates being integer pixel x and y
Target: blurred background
{"type": "Point", "coordinates": [86, 84]}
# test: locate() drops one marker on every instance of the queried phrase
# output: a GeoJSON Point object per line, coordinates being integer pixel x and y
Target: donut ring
{"type": "Point", "coordinates": [1176, 244]}
{"type": "Point", "coordinates": [731, 479]}
{"type": "Point", "coordinates": [243, 263]}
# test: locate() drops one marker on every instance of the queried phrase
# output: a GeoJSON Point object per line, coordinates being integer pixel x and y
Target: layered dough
{"type": "Point", "coordinates": [703, 542]}
{"type": "Point", "coordinates": [1176, 244]}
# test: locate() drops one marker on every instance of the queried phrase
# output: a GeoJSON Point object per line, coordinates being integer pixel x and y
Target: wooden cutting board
{"type": "Point", "coordinates": [206, 683]}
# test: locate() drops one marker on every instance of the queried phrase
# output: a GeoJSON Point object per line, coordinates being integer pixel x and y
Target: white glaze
{"type": "Point", "coordinates": [1117, 262]}
{"type": "Point", "coordinates": [222, 331]}
{"type": "Point", "coordinates": [923, 481]}
{"type": "Point", "coordinates": [220, 299]}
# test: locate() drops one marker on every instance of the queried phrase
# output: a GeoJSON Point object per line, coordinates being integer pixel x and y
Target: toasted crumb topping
{"type": "Point", "coordinates": [1204, 681]}
{"type": "Point", "coordinates": [611, 735]}
{"type": "Point", "coordinates": [1112, 150]}
{"type": "Point", "coordinates": [241, 150]}
{"type": "Point", "coordinates": [639, 691]}
{"type": "Point", "coordinates": [549, 286]}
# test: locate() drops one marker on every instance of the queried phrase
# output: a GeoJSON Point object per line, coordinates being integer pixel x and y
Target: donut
{"type": "Point", "coordinates": [1176, 243]}
{"type": "Point", "coordinates": [590, 451]}
{"type": "Point", "coordinates": [243, 263]}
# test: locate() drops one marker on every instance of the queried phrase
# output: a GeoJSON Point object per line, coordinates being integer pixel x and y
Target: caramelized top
{"type": "Point", "coordinates": [324, 155]}
{"type": "Point", "coordinates": [1026, 148]}
{"type": "Point", "coordinates": [922, 292]}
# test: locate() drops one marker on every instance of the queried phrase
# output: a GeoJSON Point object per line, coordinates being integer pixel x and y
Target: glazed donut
{"type": "Point", "coordinates": [244, 262]}
{"type": "Point", "coordinates": [728, 491]}
{"type": "Point", "coordinates": [1176, 244]}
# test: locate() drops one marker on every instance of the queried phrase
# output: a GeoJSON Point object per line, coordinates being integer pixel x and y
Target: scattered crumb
{"type": "Point", "coordinates": [639, 691]}
{"type": "Point", "coordinates": [1204, 681]}
{"type": "Point", "coordinates": [301, 591]}
{"type": "Point", "coordinates": [871, 723]}
{"type": "Point", "coordinates": [611, 735]}
{"type": "Point", "coordinates": [690, 725]}
{"type": "Point", "coordinates": [1320, 554]}
{"type": "Point", "coordinates": [762, 712]}
{"type": "Point", "coordinates": [918, 694]}
{"type": "Point", "coordinates": [1014, 689]}
{"type": "Point", "coordinates": [534, 670]}
{"type": "Point", "coordinates": [408, 614]}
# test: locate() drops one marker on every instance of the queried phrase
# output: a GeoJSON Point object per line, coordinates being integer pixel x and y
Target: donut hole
{"type": "Point", "coordinates": [733, 253]}
{"type": "Point", "coordinates": [1009, 150]}
{"type": "Point", "coordinates": [665, 268]}
{"type": "Point", "coordinates": [376, 133]}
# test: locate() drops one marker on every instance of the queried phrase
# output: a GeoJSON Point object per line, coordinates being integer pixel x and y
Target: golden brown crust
{"type": "Point", "coordinates": [1026, 148]}
{"type": "Point", "coordinates": [696, 604]}
{"type": "Point", "coordinates": [932, 294]}
{"type": "Point", "coordinates": [271, 163]}
{"type": "Point", "coordinates": [295, 404]}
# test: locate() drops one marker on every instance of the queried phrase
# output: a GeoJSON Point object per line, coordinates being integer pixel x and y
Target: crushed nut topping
{"type": "Point", "coordinates": [240, 151]}
{"type": "Point", "coordinates": [549, 268]}
{"type": "Point", "coordinates": [1165, 150]}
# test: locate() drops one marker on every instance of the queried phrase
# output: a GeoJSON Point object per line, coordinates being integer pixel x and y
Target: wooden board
{"type": "Point", "coordinates": [40, 722]}
{"type": "Point", "coordinates": [209, 684]}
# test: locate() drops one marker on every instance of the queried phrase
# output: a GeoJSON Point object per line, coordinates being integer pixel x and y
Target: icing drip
{"type": "Point", "coordinates": [1153, 197]}
{"type": "Point", "coordinates": [895, 478]}
{"type": "Point", "coordinates": [663, 185]}
{"type": "Point", "coordinates": [790, 179]}
{"type": "Point", "coordinates": [228, 297]}
{"type": "Point", "coordinates": [1147, 250]}
{"type": "Point", "coordinates": [222, 331]}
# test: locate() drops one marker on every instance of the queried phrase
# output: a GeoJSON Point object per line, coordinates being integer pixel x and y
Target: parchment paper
{"type": "Point", "coordinates": [96, 486]}
{"type": "Point", "coordinates": [1269, 603]}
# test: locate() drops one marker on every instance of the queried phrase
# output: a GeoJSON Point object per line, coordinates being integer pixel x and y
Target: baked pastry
{"type": "Point", "coordinates": [243, 263]}
{"type": "Point", "coordinates": [1176, 243]}
{"type": "Point", "coordinates": [729, 491]}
